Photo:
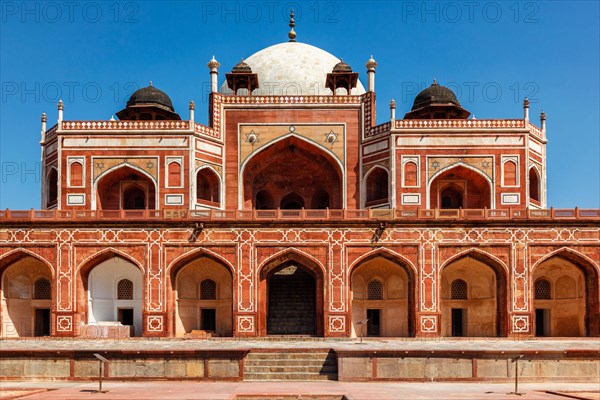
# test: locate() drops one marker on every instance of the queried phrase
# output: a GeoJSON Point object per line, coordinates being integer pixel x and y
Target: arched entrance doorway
{"type": "Point", "coordinates": [291, 310]}
{"type": "Point", "coordinates": [203, 296]}
{"type": "Point", "coordinates": [473, 297]}
{"type": "Point", "coordinates": [292, 174]}
{"type": "Point", "coordinates": [460, 187]}
{"type": "Point", "coordinates": [110, 289]}
{"type": "Point", "coordinates": [383, 293]}
{"type": "Point", "coordinates": [126, 188]}
{"type": "Point", "coordinates": [26, 296]}
{"type": "Point", "coordinates": [564, 289]}
{"type": "Point", "coordinates": [291, 297]}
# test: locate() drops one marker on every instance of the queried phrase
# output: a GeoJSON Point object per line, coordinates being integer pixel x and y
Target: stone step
{"type": "Point", "coordinates": [279, 362]}
{"type": "Point", "coordinates": [293, 369]}
{"type": "Point", "coordinates": [273, 376]}
{"type": "Point", "coordinates": [291, 356]}
{"type": "Point", "coordinates": [288, 326]}
{"type": "Point", "coordinates": [292, 315]}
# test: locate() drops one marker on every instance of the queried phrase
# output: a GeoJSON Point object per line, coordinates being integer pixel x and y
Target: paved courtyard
{"type": "Point", "coordinates": [272, 390]}
{"type": "Point", "coordinates": [379, 344]}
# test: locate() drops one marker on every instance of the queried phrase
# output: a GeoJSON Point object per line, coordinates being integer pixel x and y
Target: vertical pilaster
{"type": "Point", "coordinates": [428, 321]}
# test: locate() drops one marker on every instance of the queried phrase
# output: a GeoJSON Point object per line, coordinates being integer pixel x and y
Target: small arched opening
{"type": "Point", "coordinates": [534, 185]}
{"type": "Point", "coordinates": [292, 201]}
{"type": "Point", "coordinates": [208, 190]}
{"type": "Point", "coordinates": [377, 187]}
{"type": "Point", "coordinates": [52, 189]}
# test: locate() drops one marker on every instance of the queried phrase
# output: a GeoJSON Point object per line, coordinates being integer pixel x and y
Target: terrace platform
{"type": "Point", "coordinates": [216, 359]}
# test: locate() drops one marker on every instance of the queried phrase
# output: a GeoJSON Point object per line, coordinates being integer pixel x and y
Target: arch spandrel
{"type": "Point", "coordinates": [314, 134]}
{"type": "Point", "coordinates": [499, 256]}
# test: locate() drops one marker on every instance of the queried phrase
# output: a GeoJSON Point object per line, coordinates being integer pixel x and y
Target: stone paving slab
{"type": "Point", "coordinates": [353, 391]}
{"type": "Point", "coordinates": [379, 344]}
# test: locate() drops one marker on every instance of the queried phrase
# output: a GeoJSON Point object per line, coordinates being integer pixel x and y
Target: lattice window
{"type": "Point", "coordinates": [42, 289]}
{"type": "Point", "coordinates": [375, 290]}
{"type": "Point", "coordinates": [125, 290]}
{"type": "Point", "coordinates": [542, 290]}
{"type": "Point", "coordinates": [208, 290]}
{"type": "Point", "coordinates": [458, 290]}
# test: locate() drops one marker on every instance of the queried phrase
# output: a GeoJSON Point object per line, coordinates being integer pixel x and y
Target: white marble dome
{"type": "Point", "coordinates": [291, 69]}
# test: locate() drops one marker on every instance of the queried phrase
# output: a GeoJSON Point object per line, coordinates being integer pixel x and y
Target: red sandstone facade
{"type": "Point", "coordinates": [423, 227]}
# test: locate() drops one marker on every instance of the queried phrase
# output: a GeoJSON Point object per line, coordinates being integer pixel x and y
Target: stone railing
{"type": "Point", "coordinates": [536, 131]}
{"type": "Point", "coordinates": [298, 215]}
{"type": "Point", "coordinates": [178, 125]}
{"type": "Point", "coordinates": [207, 131]}
{"type": "Point", "coordinates": [291, 99]}
{"type": "Point", "coordinates": [460, 123]}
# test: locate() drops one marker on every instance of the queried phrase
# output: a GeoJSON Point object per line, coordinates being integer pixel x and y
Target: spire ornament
{"type": "Point", "coordinates": [292, 34]}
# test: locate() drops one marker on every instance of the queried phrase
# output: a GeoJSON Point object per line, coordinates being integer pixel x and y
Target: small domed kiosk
{"type": "Point", "coordinates": [437, 102]}
{"type": "Point", "coordinates": [148, 104]}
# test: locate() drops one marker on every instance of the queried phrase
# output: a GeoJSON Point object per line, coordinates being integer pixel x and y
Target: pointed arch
{"type": "Point", "coordinates": [459, 164]}
{"type": "Point", "coordinates": [209, 185]}
{"type": "Point", "coordinates": [320, 147]}
{"type": "Point", "coordinates": [314, 167]}
{"type": "Point", "coordinates": [292, 201]}
{"type": "Point", "coordinates": [591, 274]}
{"type": "Point", "coordinates": [185, 258]}
{"type": "Point", "coordinates": [479, 255]}
{"type": "Point", "coordinates": [501, 293]}
{"type": "Point", "coordinates": [510, 173]}
{"type": "Point", "coordinates": [26, 281]}
{"type": "Point", "coordinates": [385, 253]}
{"type": "Point", "coordinates": [410, 174]}
{"type": "Point", "coordinates": [535, 184]}
{"type": "Point", "coordinates": [309, 266]}
{"type": "Point", "coordinates": [185, 275]}
{"type": "Point", "coordinates": [398, 275]}
{"type": "Point", "coordinates": [376, 184]}
{"type": "Point", "coordinates": [115, 168]}
{"type": "Point", "coordinates": [15, 255]}
{"type": "Point", "coordinates": [52, 187]}
{"type": "Point", "coordinates": [570, 255]}
{"type": "Point", "coordinates": [84, 267]}
{"type": "Point", "coordinates": [174, 174]}
{"type": "Point", "coordinates": [76, 174]}
{"type": "Point", "coordinates": [96, 290]}
{"type": "Point", "coordinates": [477, 171]}
{"type": "Point", "coordinates": [294, 254]}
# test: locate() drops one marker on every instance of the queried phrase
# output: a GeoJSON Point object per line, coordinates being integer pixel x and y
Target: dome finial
{"type": "Point", "coordinates": [434, 82]}
{"type": "Point", "coordinates": [292, 34]}
{"type": "Point", "coordinates": [150, 83]}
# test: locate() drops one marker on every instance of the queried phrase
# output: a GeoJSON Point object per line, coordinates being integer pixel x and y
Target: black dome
{"type": "Point", "coordinates": [341, 67]}
{"type": "Point", "coordinates": [435, 94]}
{"type": "Point", "coordinates": [242, 67]}
{"type": "Point", "coordinates": [150, 96]}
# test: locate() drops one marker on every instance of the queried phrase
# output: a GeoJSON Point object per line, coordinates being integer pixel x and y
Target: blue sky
{"type": "Point", "coordinates": [492, 53]}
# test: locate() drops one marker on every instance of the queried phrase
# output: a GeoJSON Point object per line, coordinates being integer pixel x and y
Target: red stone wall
{"type": "Point", "coordinates": [512, 251]}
